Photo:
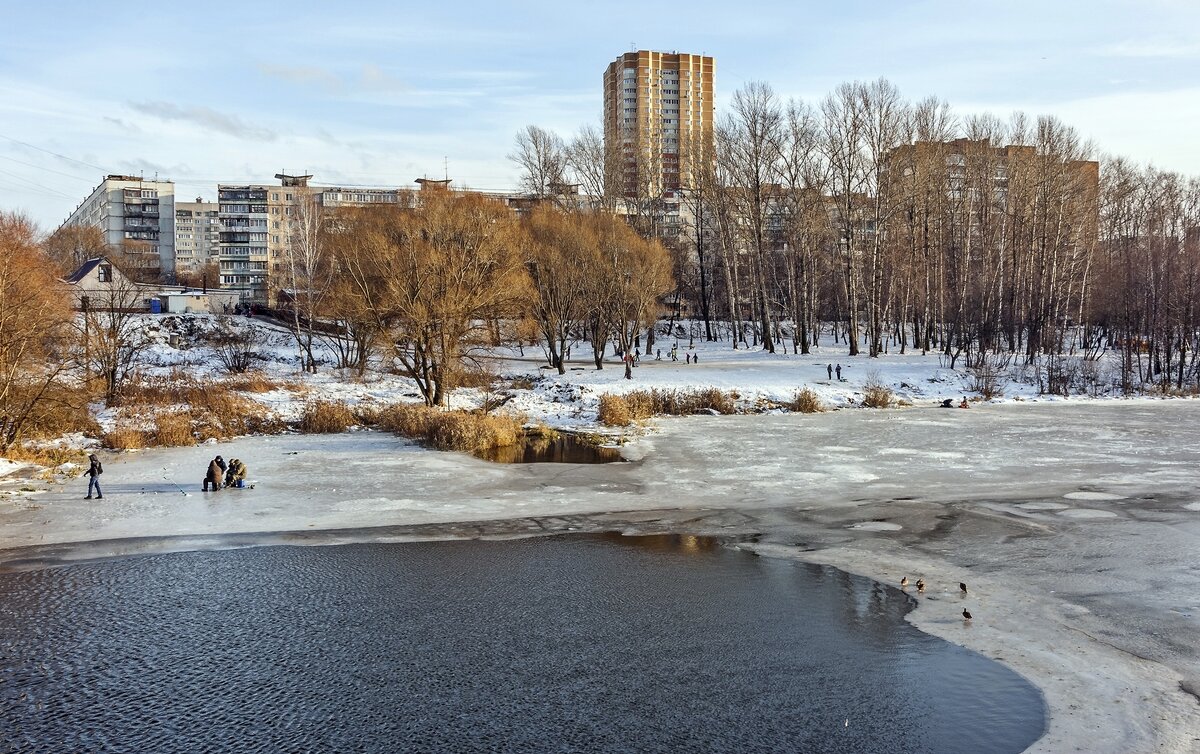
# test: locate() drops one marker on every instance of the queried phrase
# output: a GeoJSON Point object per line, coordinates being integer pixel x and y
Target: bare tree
{"type": "Point", "coordinates": [542, 157]}
{"type": "Point", "coordinates": [588, 160]}
{"type": "Point", "coordinates": [72, 245]}
{"type": "Point", "coordinates": [309, 273]}
{"type": "Point", "coordinates": [433, 277]}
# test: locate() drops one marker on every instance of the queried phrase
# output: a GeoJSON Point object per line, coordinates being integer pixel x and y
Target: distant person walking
{"type": "Point", "coordinates": [95, 469]}
{"type": "Point", "coordinates": [695, 357]}
{"type": "Point", "coordinates": [687, 355]}
{"type": "Point", "coordinates": [838, 369]}
{"type": "Point", "coordinates": [829, 369]}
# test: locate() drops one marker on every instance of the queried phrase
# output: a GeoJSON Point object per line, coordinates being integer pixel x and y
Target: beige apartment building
{"type": "Point", "coordinates": [658, 119]}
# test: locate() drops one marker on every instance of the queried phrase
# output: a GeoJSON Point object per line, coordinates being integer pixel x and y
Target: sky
{"type": "Point", "coordinates": [381, 93]}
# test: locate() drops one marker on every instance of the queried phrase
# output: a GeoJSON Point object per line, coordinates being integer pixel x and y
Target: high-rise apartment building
{"type": "Point", "coordinates": [136, 217]}
{"type": "Point", "coordinates": [197, 237]}
{"type": "Point", "coordinates": [658, 119]}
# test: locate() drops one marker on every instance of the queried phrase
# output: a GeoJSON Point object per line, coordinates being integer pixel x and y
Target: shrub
{"type": "Point", "coordinates": [235, 343]}
{"type": "Point", "coordinates": [614, 411]}
{"type": "Point", "coordinates": [173, 430]}
{"type": "Point", "coordinates": [326, 417]}
{"type": "Point", "coordinates": [987, 373]}
{"type": "Point", "coordinates": [806, 402]}
{"type": "Point", "coordinates": [875, 393]}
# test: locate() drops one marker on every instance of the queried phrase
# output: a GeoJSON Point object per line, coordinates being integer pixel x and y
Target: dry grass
{"type": "Point", "coordinates": [127, 438]}
{"type": "Point", "coordinates": [217, 410]}
{"type": "Point", "coordinates": [614, 411]}
{"type": "Point", "coordinates": [173, 430]}
{"type": "Point", "coordinates": [468, 431]}
{"type": "Point", "coordinates": [471, 432]}
{"type": "Point", "coordinates": [251, 382]}
{"type": "Point", "coordinates": [806, 402]}
{"type": "Point", "coordinates": [620, 410]}
{"type": "Point", "coordinates": [326, 417]}
{"type": "Point", "coordinates": [49, 455]}
{"type": "Point", "coordinates": [410, 420]}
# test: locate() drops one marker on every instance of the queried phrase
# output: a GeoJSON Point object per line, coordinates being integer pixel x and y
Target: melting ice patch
{"type": "Point", "coordinates": [876, 526]}
{"type": "Point", "coordinates": [1086, 513]}
{"type": "Point", "coordinates": [1087, 495]}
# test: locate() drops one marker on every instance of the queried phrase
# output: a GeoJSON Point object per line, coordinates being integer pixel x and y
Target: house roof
{"type": "Point", "coordinates": [83, 271]}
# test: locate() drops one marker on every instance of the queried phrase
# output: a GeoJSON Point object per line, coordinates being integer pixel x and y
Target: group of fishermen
{"type": "Point", "coordinates": [221, 475]}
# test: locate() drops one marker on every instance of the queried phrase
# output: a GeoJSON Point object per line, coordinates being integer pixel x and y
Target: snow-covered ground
{"type": "Point", "coordinates": [1076, 526]}
{"type": "Point", "coordinates": [761, 380]}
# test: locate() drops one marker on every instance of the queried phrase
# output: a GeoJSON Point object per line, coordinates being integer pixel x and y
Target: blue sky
{"type": "Point", "coordinates": [381, 93]}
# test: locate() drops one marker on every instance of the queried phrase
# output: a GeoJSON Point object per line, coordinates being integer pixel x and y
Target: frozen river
{"type": "Point", "coordinates": [1077, 527]}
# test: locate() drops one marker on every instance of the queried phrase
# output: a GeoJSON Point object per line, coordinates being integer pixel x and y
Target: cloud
{"type": "Point", "coordinates": [204, 117]}
{"type": "Point", "coordinates": [304, 75]}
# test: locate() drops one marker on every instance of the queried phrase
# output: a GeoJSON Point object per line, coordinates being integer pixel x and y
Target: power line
{"type": "Point", "coordinates": [23, 179]}
{"type": "Point", "coordinates": [48, 170]}
{"type": "Point", "coordinates": [56, 154]}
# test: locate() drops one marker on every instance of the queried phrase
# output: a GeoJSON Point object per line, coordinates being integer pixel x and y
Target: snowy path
{"type": "Point", "coordinates": [1077, 526]}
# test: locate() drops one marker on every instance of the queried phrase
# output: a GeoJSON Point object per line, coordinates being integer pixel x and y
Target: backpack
{"type": "Point", "coordinates": [99, 468]}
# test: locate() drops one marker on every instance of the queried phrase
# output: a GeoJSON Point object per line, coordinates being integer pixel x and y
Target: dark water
{"type": "Point", "coordinates": [566, 449]}
{"type": "Point", "coordinates": [656, 644]}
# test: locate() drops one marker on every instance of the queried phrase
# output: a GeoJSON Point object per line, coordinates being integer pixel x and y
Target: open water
{"type": "Point", "coordinates": [565, 644]}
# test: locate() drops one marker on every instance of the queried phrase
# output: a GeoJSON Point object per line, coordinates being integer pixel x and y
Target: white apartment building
{"type": "Point", "coordinates": [137, 217]}
{"type": "Point", "coordinates": [197, 236]}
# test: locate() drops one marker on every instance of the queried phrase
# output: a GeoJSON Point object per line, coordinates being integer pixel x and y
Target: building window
{"type": "Point", "coordinates": [105, 273]}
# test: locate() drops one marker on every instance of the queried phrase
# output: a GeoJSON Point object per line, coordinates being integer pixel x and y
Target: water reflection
{"type": "Point", "coordinates": [610, 644]}
{"type": "Point", "coordinates": [564, 449]}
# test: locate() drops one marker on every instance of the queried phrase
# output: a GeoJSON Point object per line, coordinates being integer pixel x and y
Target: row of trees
{"type": "Point", "coordinates": [431, 286]}
{"type": "Point", "coordinates": [424, 284]}
{"type": "Point", "coordinates": [890, 224]}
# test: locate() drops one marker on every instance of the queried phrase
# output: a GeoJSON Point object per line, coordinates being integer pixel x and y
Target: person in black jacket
{"type": "Point", "coordinates": [215, 475]}
{"type": "Point", "coordinates": [95, 469]}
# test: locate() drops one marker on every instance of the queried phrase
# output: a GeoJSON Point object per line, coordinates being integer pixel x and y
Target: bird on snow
{"type": "Point", "coordinates": [966, 614]}
{"type": "Point", "coordinates": [920, 585]}
{"type": "Point", "coordinates": [962, 587]}
{"type": "Point", "coordinates": [904, 581]}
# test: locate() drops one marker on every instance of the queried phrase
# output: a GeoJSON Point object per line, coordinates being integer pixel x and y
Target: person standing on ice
{"type": "Point", "coordinates": [95, 469]}
{"type": "Point", "coordinates": [829, 369]}
{"type": "Point", "coordinates": [838, 369]}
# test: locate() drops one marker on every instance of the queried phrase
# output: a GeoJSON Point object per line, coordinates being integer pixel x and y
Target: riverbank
{"type": "Point", "coordinates": [1075, 526]}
